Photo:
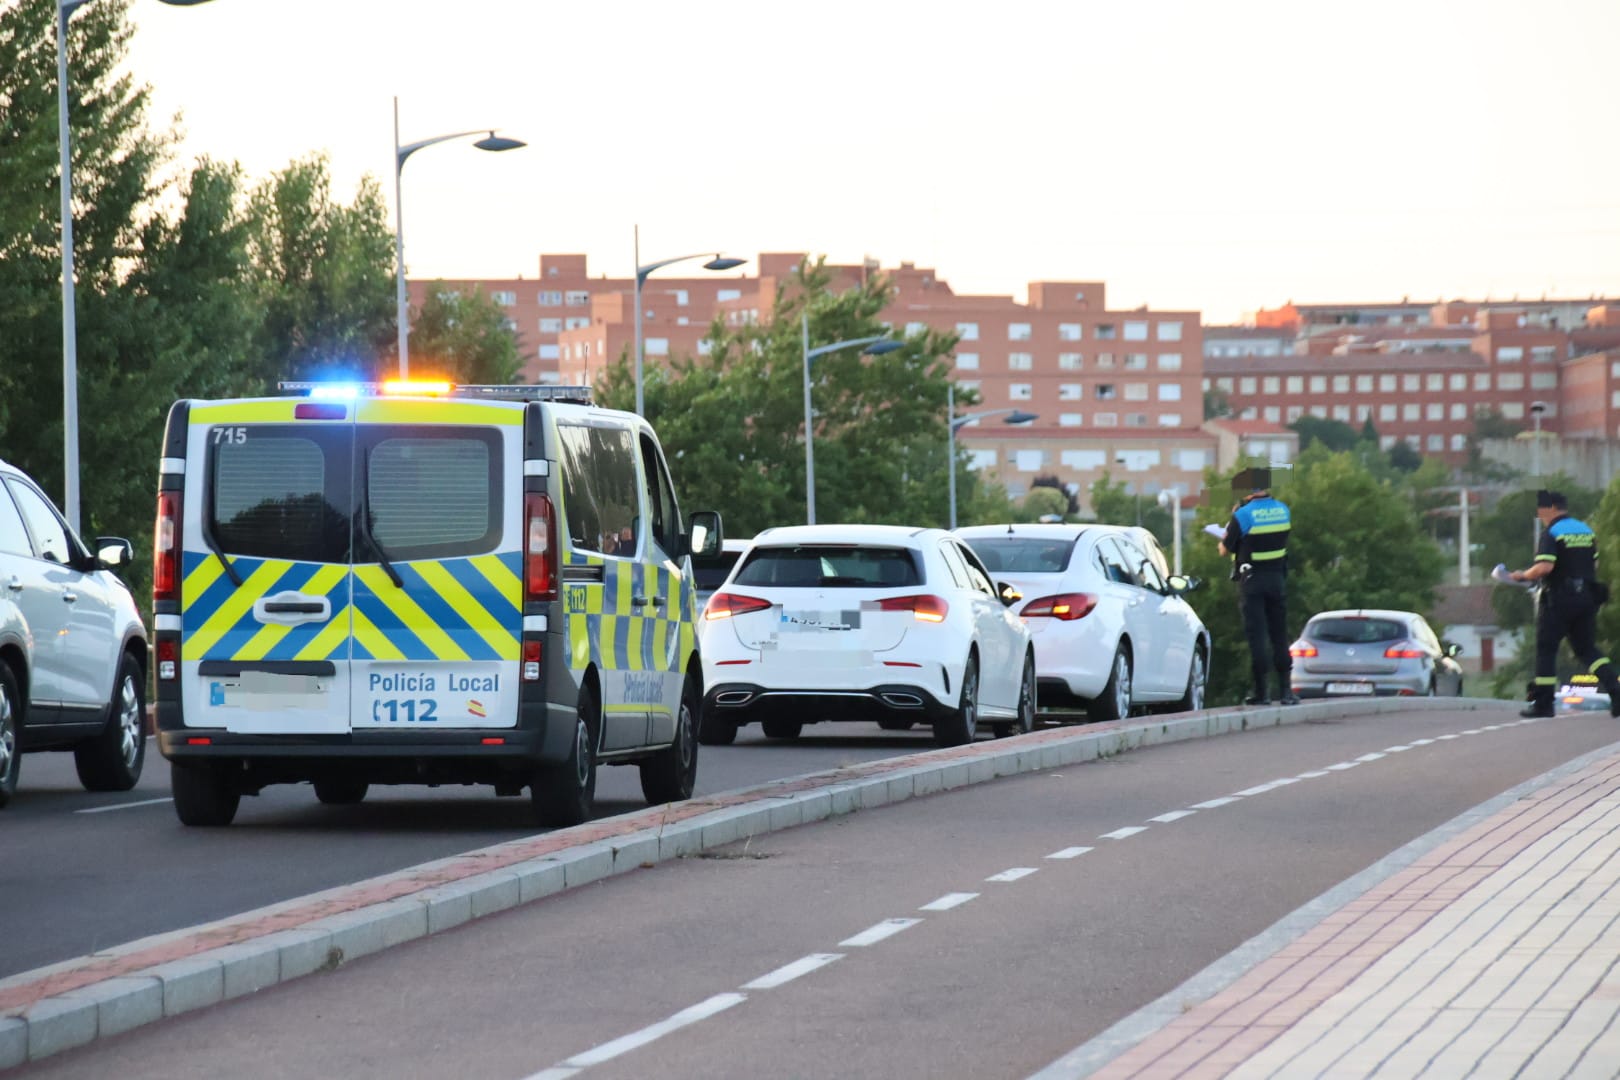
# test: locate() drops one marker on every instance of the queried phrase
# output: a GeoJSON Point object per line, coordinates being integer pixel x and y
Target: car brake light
{"type": "Point", "coordinates": [166, 548]}
{"type": "Point", "coordinates": [1303, 648]}
{"type": "Point", "coordinates": [724, 605]}
{"type": "Point", "coordinates": [924, 606]}
{"type": "Point", "coordinates": [1065, 606]}
{"type": "Point", "coordinates": [1404, 650]}
{"type": "Point", "coordinates": [539, 552]}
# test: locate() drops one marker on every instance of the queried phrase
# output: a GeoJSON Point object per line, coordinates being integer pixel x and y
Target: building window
{"type": "Point", "coordinates": [1459, 411]}
{"type": "Point", "coordinates": [1105, 419]}
{"type": "Point", "coordinates": [1020, 361]}
{"type": "Point", "coordinates": [549, 298]}
{"type": "Point", "coordinates": [1020, 391]}
{"type": "Point", "coordinates": [1341, 413]}
{"type": "Point", "coordinates": [1169, 419]}
{"type": "Point", "coordinates": [1070, 391]}
{"type": "Point", "coordinates": [1435, 382]}
{"type": "Point", "coordinates": [1411, 384]}
{"type": "Point", "coordinates": [1386, 384]}
{"type": "Point", "coordinates": [576, 322]}
{"type": "Point", "coordinates": [1136, 419]}
{"type": "Point", "coordinates": [504, 297]}
{"type": "Point", "coordinates": [1412, 412]}
{"type": "Point", "coordinates": [1272, 414]}
{"type": "Point", "coordinates": [1459, 442]}
{"type": "Point", "coordinates": [1136, 391]}
{"type": "Point", "coordinates": [550, 352]}
{"type": "Point", "coordinates": [551, 326]}
{"type": "Point", "coordinates": [1510, 380]}
{"type": "Point", "coordinates": [1246, 385]}
{"type": "Point", "coordinates": [1544, 380]}
{"type": "Point", "coordinates": [1513, 410]}
{"type": "Point", "coordinates": [1458, 381]}
{"type": "Point", "coordinates": [1086, 460]}
{"type": "Point", "coordinates": [1482, 380]}
{"type": "Point", "coordinates": [1437, 443]}
{"type": "Point", "coordinates": [1105, 361]}
{"type": "Point", "coordinates": [1136, 361]}
{"type": "Point", "coordinates": [1341, 384]}
{"type": "Point", "coordinates": [1105, 392]}
{"type": "Point", "coordinates": [1070, 361]}
{"type": "Point", "coordinates": [1319, 411]}
{"type": "Point", "coordinates": [1029, 460]}
{"type": "Point", "coordinates": [1170, 361]}
{"type": "Point", "coordinates": [1270, 384]}
{"type": "Point", "coordinates": [1191, 460]}
{"type": "Point", "coordinates": [1070, 419]}
{"type": "Point", "coordinates": [1363, 413]}
{"type": "Point", "coordinates": [1295, 384]}
{"type": "Point", "coordinates": [1295, 412]}
{"type": "Point", "coordinates": [1069, 331]}
{"type": "Point", "coordinates": [577, 298]}
{"type": "Point", "coordinates": [1136, 331]}
{"type": "Point", "coordinates": [1105, 331]}
{"type": "Point", "coordinates": [722, 295]}
{"type": "Point", "coordinates": [1364, 384]}
{"type": "Point", "coordinates": [1018, 331]}
{"type": "Point", "coordinates": [967, 361]}
{"type": "Point", "coordinates": [1224, 385]}
{"type": "Point", "coordinates": [1170, 331]}
{"type": "Point", "coordinates": [967, 331]}
{"type": "Point", "coordinates": [1318, 384]}
{"type": "Point", "coordinates": [1387, 413]}
{"type": "Point", "coordinates": [1509, 354]}
{"type": "Point", "coordinates": [1167, 391]}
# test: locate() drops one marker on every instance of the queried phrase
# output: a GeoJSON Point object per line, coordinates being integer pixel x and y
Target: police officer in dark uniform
{"type": "Point", "coordinates": [1257, 540]}
{"type": "Point", "coordinates": [1567, 599]}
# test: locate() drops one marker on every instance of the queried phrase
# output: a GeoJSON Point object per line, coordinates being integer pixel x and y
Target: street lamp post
{"type": "Point", "coordinates": [876, 345]}
{"type": "Point", "coordinates": [1536, 409]}
{"type": "Point", "coordinates": [70, 332]}
{"type": "Point", "coordinates": [493, 143]}
{"type": "Point", "coordinates": [1171, 497]}
{"type": "Point", "coordinates": [719, 262]}
{"type": "Point", "coordinates": [954, 423]}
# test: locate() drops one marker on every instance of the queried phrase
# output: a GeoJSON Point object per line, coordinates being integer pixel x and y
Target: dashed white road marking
{"type": "Point", "coordinates": [1069, 853]}
{"type": "Point", "coordinates": [636, 1039]}
{"type": "Point", "coordinates": [122, 806]}
{"type": "Point", "coordinates": [1471, 731]}
{"type": "Point", "coordinates": [802, 966]}
{"type": "Point", "coordinates": [874, 934]}
{"type": "Point", "coordinates": [948, 901]}
{"type": "Point", "coordinates": [1340, 766]}
{"type": "Point", "coordinates": [1442, 738]}
{"type": "Point", "coordinates": [1270, 785]}
{"type": "Point", "coordinates": [1422, 742]}
{"type": "Point", "coordinates": [1120, 834]}
{"type": "Point", "coordinates": [1396, 749]}
{"type": "Point", "coordinates": [1014, 874]}
{"type": "Point", "coordinates": [1312, 775]}
{"type": "Point", "coordinates": [1210, 804]}
{"type": "Point", "coordinates": [1374, 756]}
{"type": "Point", "coordinates": [1174, 815]}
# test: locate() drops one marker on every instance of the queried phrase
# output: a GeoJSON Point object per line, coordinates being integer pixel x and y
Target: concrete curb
{"type": "Point", "coordinates": [56, 1008]}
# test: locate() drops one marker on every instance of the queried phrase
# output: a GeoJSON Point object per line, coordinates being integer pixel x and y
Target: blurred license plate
{"type": "Point", "coordinates": [1349, 687]}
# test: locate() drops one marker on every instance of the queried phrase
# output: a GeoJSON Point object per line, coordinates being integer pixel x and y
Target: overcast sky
{"type": "Point", "coordinates": [1192, 154]}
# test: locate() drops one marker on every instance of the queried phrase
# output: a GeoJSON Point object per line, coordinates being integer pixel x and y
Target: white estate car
{"type": "Point", "coordinates": [1111, 630]}
{"type": "Point", "coordinates": [903, 625]}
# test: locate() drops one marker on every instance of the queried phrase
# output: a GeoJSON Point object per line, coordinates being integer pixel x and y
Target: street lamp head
{"type": "Point", "coordinates": [723, 262]}
{"type": "Point", "coordinates": [494, 144]}
{"type": "Point", "coordinates": [1537, 408]}
{"type": "Point", "coordinates": [1022, 418]}
{"type": "Point", "coordinates": [879, 348]}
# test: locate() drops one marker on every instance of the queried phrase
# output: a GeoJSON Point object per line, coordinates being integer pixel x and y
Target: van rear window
{"type": "Point", "coordinates": [434, 495]}
{"type": "Point", "coordinates": [1348, 631]}
{"type": "Point", "coordinates": [278, 495]}
{"type": "Point", "coordinates": [829, 566]}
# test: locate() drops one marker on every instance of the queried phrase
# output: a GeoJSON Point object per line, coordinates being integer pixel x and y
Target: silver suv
{"type": "Point", "coordinates": [73, 650]}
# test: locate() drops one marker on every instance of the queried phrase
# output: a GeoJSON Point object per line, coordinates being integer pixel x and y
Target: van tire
{"type": "Point", "coordinates": [962, 724]}
{"type": "Point", "coordinates": [341, 791]}
{"type": "Point", "coordinates": [669, 775]}
{"type": "Point", "coordinates": [112, 760]}
{"type": "Point", "coordinates": [10, 733]}
{"type": "Point", "coordinates": [564, 793]}
{"type": "Point", "coordinates": [204, 796]}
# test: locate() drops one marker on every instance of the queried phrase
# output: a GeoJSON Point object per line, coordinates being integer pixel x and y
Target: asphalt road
{"type": "Point", "coordinates": [1046, 906]}
{"type": "Point", "coordinates": [111, 868]}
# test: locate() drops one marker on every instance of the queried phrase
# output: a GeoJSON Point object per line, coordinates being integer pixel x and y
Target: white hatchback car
{"type": "Point", "coordinates": [1111, 630]}
{"type": "Point", "coordinates": [903, 625]}
{"type": "Point", "coordinates": [73, 651]}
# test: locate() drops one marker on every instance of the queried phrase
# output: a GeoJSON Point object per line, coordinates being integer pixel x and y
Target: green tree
{"type": "Point", "coordinates": [1111, 504]}
{"type": "Point", "coordinates": [1489, 424]}
{"type": "Point", "coordinates": [1355, 543]}
{"type": "Point", "coordinates": [464, 337]}
{"type": "Point", "coordinates": [880, 438]}
{"type": "Point", "coordinates": [1216, 404]}
{"type": "Point", "coordinates": [1071, 502]}
{"type": "Point", "coordinates": [1333, 434]}
{"type": "Point", "coordinates": [1403, 457]}
{"type": "Point", "coordinates": [1044, 502]}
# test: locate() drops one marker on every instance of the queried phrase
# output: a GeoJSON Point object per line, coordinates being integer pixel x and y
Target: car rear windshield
{"type": "Point", "coordinates": [1022, 555]}
{"type": "Point", "coordinates": [1354, 631]}
{"type": "Point", "coordinates": [830, 566]}
{"type": "Point", "coordinates": [711, 575]}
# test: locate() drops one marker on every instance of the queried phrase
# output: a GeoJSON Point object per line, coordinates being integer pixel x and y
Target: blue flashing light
{"type": "Point", "coordinates": [335, 391]}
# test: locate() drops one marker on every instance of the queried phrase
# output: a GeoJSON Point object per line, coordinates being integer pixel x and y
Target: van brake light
{"type": "Point", "coordinates": [1064, 606]}
{"type": "Point", "coordinates": [924, 606]}
{"type": "Point", "coordinates": [166, 548]}
{"type": "Point", "coordinates": [724, 605]}
{"type": "Point", "coordinates": [539, 548]}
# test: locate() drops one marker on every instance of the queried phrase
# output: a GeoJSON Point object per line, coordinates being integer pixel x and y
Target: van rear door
{"type": "Point", "coordinates": [438, 613]}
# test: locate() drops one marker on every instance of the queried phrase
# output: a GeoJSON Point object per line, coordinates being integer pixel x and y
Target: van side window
{"type": "Point", "coordinates": [280, 493]}
{"type": "Point", "coordinates": [601, 488]}
{"type": "Point", "coordinates": [434, 495]}
{"type": "Point", "coordinates": [662, 510]}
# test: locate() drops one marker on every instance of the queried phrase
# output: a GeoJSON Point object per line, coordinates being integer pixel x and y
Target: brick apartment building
{"type": "Point", "coordinates": [1115, 391]}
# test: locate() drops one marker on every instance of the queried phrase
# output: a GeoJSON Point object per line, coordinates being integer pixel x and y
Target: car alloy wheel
{"type": "Point", "coordinates": [1122, 685]}
{"type": "Point", "coordinates": [131, 724]}
{"type": "Point", "coordinates": [1199, 678]}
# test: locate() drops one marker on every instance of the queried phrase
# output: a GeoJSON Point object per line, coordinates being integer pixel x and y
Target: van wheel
{"type": "Point", "coordinates": [341, 791]}
{"type": "Point", "coordinates": [564, 794]}
{"type": "Point", "coordinates": [203, 794]}
{"type": "Point", "coordinates": [1114, 703]}
{"type": "Point", "coordinates": [782, 729]}
{"type": "Point", "coordinates": [963, 722]}
{"type": "Point", "coordinates": [1026, 705]}
{"type": "Point", "coordinates": [717, 728]}
{"type": "Point", "coordinates": [112, 760]}
{"type": "Point", "coordinates": [10, 734]}
{"type": "Point", "coordinates": [669, 775]}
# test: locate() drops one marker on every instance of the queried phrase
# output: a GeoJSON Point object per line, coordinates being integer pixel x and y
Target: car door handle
{"type": "Point", "coordinates": [70, 597]}
{"type": "Point", "coordinates": [15, 584]}
{"type": "Point", "coordinates": [644, 601]}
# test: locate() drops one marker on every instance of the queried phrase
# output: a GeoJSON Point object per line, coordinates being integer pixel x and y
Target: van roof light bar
{"type": "Point", "coordinates": [571, 395]}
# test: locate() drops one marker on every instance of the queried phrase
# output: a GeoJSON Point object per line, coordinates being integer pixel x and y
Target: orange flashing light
{"type": "Point", "coordinates": [416, 386]}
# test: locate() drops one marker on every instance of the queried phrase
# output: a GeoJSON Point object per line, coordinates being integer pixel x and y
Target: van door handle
{"type": "Point", "coordinates": [15, 584]}
{"type": "Point", "coordinates": [295, 608]}
{"type": "Point", "coordinates": [70, 597]}
{"type": "Point", "coordinates": [644, 601]}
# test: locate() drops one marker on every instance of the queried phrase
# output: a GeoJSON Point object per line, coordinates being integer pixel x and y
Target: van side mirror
{"type": "Point", "coordinates": [113, 552]}
{"type": "Point", "coordinates": [703, 536]}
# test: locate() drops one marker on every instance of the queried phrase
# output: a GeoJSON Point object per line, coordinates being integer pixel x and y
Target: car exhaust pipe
{"type": "Point", "coordinates": [734, 697]}
{"type": "Point", "coordinates": [902, 701]}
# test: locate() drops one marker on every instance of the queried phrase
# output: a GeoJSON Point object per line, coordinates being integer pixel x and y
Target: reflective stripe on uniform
{"type": "Point", "coordinates": [1546, 680]}
{"type": "Point", "coordinates": [1546, 558]}
{"type": "Point", "coordinates": [1262, 556]}
{"type": "Point", "coordinates": [1599, 662]}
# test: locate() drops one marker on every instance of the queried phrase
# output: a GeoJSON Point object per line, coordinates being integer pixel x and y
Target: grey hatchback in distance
{"type": "Point", "coordinates": [1363, 653]}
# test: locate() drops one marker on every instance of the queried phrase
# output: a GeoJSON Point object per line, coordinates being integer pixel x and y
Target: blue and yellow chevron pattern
{"type": "Point", "coordinates": [606, 629]}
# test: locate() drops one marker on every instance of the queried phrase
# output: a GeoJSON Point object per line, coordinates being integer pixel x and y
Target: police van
{"type": "Point", "coordinates": [421, 583]}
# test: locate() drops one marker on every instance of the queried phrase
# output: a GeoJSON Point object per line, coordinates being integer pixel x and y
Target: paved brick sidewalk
{"type": "Point", "coordinates": [1495, 954]}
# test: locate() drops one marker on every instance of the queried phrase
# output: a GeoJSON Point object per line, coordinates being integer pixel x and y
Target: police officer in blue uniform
{"type": "Point", "coordinates": [1257, 540]}
{"type": "Point", "coordinates": [1567, 598]}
